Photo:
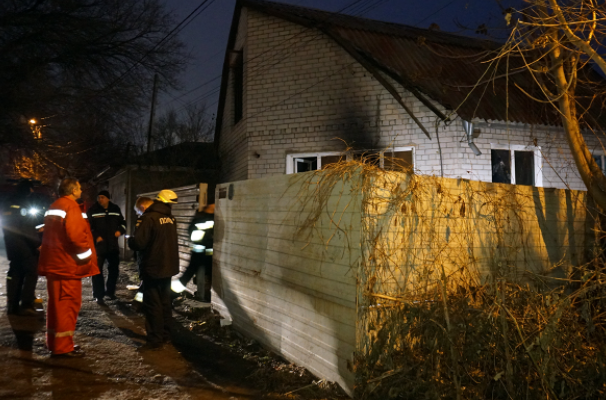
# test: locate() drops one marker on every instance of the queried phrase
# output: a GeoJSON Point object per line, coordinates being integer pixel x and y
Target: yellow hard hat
{"type": "Point", "coordinates": [167, 196]}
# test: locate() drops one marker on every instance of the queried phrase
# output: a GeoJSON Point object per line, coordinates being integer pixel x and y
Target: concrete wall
{"type": "Point", "coordinates": [293, 291]}
{"type": "Point", "coordinates": [303, 92]}
{"type": "Point", "coordinates": [299, 258]}
{"type": "Point", "coordinates": [474, 230]}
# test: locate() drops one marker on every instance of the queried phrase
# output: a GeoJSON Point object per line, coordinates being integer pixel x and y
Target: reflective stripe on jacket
{"type": "Point", "coordinates": [67, 248]}
{"type": "Point", "coordinates": [104, 223]}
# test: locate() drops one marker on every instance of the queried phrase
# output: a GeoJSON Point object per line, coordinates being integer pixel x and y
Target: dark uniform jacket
{"type": "Point", "coordinates": [156, 239]}
{"type": "Point", "coordinates": [105, 223]}
{"type": "Point", "coordinates": [19, 226]}
{"type": "Point", "coordinates": [203, 222]}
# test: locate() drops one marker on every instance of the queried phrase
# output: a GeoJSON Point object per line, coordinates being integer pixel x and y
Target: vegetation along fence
{"type": "Point", "coordinates": [461, 289]}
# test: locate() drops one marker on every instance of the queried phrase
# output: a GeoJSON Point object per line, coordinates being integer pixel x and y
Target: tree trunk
{"type": "Point", "coordinates": [590, 172]}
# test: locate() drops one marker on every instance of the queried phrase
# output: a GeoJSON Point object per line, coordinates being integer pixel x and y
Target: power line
{"type": "Point", "coordinates": [173, 32]}
{"type": "Point", "coordinates": [263, 68]}
{"type": "Point", "coordinates": [357, 7]}
{"type": "Point", "coordinates": [434, 13]}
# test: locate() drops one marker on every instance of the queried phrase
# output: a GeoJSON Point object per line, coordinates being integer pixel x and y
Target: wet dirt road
{"type": "Point", "coordinates": [113, 368]}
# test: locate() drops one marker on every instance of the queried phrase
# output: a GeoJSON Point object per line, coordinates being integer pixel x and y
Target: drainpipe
{"type": "Point", "coordinates": [468, 127]}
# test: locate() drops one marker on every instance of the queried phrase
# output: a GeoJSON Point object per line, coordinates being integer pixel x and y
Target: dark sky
{"type": "Point", "coordinates": [206, 36]}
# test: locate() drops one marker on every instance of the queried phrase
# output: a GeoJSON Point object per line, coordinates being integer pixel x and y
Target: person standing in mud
{"type": "Point", "coordinates": [107, 225]}
{"type": "Point", "coordinates": [156, 239]}
{"type": "Point", "coordinates": [141, 205]}
{"type": "Point", "coordinates": [67, 255]}
{"type": "Point", "coordinates": [22, 218]}
{"type": "Point", "coordinates": [201, 231]}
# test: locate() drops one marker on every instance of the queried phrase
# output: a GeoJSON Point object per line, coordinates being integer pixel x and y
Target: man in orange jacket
{"type": "Point", "coordinates": [67, 255]}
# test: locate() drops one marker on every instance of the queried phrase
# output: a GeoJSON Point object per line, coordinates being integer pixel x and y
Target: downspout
{"type": "Point", "coordinates": [439, 146]}
{"type": "Point", "coordinates": [468, 127]}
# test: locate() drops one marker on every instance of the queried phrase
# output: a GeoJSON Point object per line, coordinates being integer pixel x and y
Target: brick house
{"type": "Point", "coordinates": [303, 88]}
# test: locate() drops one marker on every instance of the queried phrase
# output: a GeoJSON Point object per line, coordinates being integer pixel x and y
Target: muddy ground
{"type": "Point", "coordinates": [203, 360]}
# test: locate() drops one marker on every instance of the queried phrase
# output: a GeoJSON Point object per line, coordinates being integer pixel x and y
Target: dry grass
{"type": "Point", "coordinates": [438, 321]}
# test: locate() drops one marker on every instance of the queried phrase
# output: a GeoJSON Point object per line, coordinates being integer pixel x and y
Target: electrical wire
{"type": "Point", "coordinates": [356, 7]}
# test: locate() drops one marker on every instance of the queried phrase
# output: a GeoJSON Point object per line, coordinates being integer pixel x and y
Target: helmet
{"type": "Point", "coordinates": [167, 196]}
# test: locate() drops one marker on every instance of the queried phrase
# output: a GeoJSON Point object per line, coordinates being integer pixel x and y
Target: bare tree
{"type": "Point", "coordinates": [166, 130]}
{"type": "Point", "coordinates": [198, 124]}
{"type": "Point", "coordinates": [560, 42]}
{"type": "Point", "coordinates": [81, 70]}
{"type": "Point", "coordinates": [193, 125]}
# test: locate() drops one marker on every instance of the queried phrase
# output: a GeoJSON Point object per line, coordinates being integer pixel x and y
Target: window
{"type": "Point", "coordinates": [600, 159]}
{"type": "Point", "coordinates": [398, 159]}
{"type": "Point", "coordinates": [296, 163]}
{"type": "Point", "coordinates": [515, 164]}
{"type": "Point", "coordinates": [392, 159]}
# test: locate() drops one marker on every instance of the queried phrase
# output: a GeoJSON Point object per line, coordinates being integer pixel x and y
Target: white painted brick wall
{"type": "Point", "coordinates": [304, 93]}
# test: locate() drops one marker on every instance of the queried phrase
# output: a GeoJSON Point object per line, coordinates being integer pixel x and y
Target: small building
{"type": "Point", "coordinates": [175, 166]}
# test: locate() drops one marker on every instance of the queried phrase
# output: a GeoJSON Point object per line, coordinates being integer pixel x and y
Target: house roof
{"type": "Point", "coordinates": [197, 155]}
{"type": "Point", "coordinates": [434, 66]}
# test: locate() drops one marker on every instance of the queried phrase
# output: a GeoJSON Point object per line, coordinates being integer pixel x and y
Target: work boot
{"type": "Point", "coordinates": [28, 312]}
{"type": "Point", "coordinates": [12, 298]}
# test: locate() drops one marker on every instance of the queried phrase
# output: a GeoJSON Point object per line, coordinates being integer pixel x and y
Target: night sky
{"type": "Point", "coordinates": [206, 36]}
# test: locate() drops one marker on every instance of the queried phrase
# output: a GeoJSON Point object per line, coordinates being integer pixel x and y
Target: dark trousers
{"type": "Point", "coordinates": [100, 287]}
{"type": "Point", "coordinates": [200, 265]}
{"type": "Point", "coordinates": [21, 283]}
{"type": "Point", "coordinates": [157, 309]}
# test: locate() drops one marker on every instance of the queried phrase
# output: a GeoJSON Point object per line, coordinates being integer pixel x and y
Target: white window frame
{"type": "Point", "coordinates": [395, 149]}
{"type": "Point", "coordinates": [538, 160]}
{"type": "Point", "coordinates": [290, 158]}
{"type": "Point", "coordinates": [601, 154]}
{"type": "Point", "coordinates": [348, 156]}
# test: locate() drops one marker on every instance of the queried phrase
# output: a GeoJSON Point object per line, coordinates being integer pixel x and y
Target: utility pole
{"type": "Point", "coordinates": [151, 113]}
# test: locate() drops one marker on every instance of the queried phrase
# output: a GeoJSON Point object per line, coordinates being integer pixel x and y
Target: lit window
{"type": "Point", "coordinates": [519, 165]}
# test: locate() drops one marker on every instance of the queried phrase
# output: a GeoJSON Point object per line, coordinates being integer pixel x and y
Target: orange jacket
{"type": "Point", "coordinates": [67, 248]}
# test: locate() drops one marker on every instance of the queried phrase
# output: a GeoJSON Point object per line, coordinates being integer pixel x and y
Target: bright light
{"type": "Point", "coordinates": [33, 211]}
{"type": "Point", "coordinates": [176, 286]}
{"type": "Point", "coordinates": [33, 121]}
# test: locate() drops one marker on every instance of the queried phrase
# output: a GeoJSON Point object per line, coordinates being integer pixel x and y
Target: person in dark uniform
{"type": "Point", "coordinates": [201, 232]}
{"type": "Point", "coordinates": [107, 225]}
{"type": "Point", "coordinates": [141, 205]}
{"type": "Point", "coordinates": [22, 223]}
{"type": "Point", "coordinates": [156, 239]}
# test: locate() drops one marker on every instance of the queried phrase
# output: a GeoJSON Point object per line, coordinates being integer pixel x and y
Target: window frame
{"type": "Point", "coordinates": [538, 160]}
{"type": "Point", "coordinates": [290, 158]}
{"type": "Point", "coordinates": [348, 156]}
{"type": "Point", "coordinates": [396, 149]}
{"type": "Point", "coordinates": [601, 154]}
